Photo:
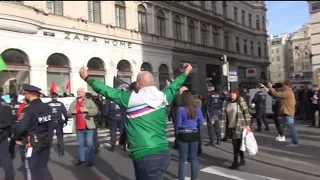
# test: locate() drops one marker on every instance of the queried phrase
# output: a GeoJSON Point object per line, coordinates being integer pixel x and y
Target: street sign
{"type": "Point", "coordinates": [233, 75]}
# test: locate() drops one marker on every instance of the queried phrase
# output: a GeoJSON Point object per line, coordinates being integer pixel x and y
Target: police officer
{"type": "Point", "coordinates": [32, 131]}
{"type": "Point", "coordinates": [5, 125]}
{"type": "Point", "coordinates": [15, 105]}
{"type": "Point", "coordinates": [259, 100]}
{"type": "Point", "coordinates": [213, 106]}
{"type": "Point", "coordinates": [58, 110]}
{"type": "Point", "coordinates": [117, 118]}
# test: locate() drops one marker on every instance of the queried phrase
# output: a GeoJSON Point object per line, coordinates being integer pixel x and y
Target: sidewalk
{"type": "Point", "coordinates": [303, 159]}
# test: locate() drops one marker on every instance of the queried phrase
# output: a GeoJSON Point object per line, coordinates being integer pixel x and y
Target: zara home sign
{"type": "Point", "coordinates": [96, 40]}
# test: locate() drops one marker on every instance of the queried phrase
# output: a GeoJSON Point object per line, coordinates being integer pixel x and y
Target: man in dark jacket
{"type": "Point", "coordinates": [276, 113]}
{"type": "Point", "coordinates": [5, 124]}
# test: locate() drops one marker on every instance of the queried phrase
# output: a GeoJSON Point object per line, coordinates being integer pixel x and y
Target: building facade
{"type": "Point", "coordinates": [301, 53]}
{"type": "Point", "coordinates": [280, 63]}
{"type": "Point", "coordinates": [314, 10]}
{"type": "Point", "coordinates": [48, 41]}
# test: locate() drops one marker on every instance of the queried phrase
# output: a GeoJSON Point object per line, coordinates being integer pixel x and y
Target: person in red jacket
{"type": "Point", "coordinates": [20, 109]}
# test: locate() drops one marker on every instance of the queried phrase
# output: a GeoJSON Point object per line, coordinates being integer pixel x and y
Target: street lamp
{"type": "Point", "coordinates": [225, 68]}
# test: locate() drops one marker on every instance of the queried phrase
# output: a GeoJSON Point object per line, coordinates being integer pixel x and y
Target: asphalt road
{"type": "Point", "coordinates": [274, 160]}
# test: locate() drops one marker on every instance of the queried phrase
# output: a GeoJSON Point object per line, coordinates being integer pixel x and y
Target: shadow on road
{"type": "Point", "coordinates": [79, 172]}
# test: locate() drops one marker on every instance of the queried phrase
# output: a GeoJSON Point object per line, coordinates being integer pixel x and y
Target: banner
{"type": "Point", "coordinates": [120, 84]}
{"type": "Point", "coordinates": [66, 101]}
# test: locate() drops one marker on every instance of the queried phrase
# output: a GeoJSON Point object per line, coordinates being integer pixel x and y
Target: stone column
{"type": "Point", "coordinates": [185, 27]}
{"type": "Point", "coordinates": [156, 78]}
{"type": "Point", "coordinates": [109, 76]}
{"type": "Point", "coordinates": [170, 25]}
{"type": "Point", "coordinates": [38, 77]}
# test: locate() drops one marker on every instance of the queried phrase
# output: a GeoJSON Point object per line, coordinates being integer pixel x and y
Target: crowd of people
{"type": "Point", "coordinates": [140, 114]}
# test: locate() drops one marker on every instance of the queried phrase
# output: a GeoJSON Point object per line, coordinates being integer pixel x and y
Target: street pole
{"type": "Point", "coordinates": [227, 67]}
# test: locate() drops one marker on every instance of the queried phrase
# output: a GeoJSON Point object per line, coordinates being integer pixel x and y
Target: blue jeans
{"type": "Point", "coordinates": [289, 122]}
{"type": "Point", "coordinates": [188, 151]}
{"type": "Point", "coordinates": [85, 137]}
{"type": "Point", "coordinates": [152, 167]}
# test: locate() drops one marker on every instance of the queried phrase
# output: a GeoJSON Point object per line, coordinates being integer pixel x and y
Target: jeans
{"type": "Point", "coordinates": [85, 137]}
{"type": "Point", "coordinates": [289, 121]}
{"type": "Point", "coordinates": [152, 167]}
{"type": "Point", "coordinates": [188, 151]}
{"type": "Point", "coordinates": [278, 124]}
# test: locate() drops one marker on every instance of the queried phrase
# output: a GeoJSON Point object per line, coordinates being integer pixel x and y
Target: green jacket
{"type": "Point", "coordinates": [146, 114]}
{"type": "Point", "coordinates": [92, 112]}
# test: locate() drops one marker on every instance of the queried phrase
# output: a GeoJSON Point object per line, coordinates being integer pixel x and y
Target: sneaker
{"type": "Point", "coordinates": [282, 139]}
{"type": "Point", "coordinates": [292, 145]}
{"type": "Point", "coordinates": [278, 137]}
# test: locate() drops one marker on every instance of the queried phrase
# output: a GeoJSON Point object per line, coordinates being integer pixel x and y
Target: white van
{"type": "Point", "coordinates": [252, 92]}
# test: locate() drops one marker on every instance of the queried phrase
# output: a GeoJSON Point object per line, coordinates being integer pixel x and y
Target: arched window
{"type": "Point", "coordinates": [146, 67]}
{"type": "Point", "coordinates": [204, 34]}
{"type": "Point", "coordinates": [191, 32]}
{"type": "Point", "coordinates": [17, 72]}
{"type": "Point", "coordinates": [120, 7]}
{"type": "Point", "coordinates": [163, 76]}
{"type": "Point", "coordinates": [142, 18]}
{"type": "Point", "coordinates": [124, 71]}
{"type": "Point", "coordinates": [58, 72]}
{"type": "Point", "coordinates": [161, 24]}
{"type": "Point", "coordinates": [177, 27]}
{"type": "Point", "coordinates": [96, 70]}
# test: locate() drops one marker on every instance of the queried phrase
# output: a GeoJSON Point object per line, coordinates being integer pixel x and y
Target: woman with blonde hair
{"type": "Point", "coordinates": [189, 117]}
{"type": "Point", "coordinates": [235, 117]}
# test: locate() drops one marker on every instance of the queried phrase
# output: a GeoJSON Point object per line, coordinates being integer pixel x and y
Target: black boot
{"type": "Point", "coordinates": [267, 128]}
{"type": "Point", "coordinates": [242, 161]}
{"type": "Point", "coordinates": [111, 149]}
{"type": "Point", "coordinates": [218, 141]}
{"type": "Point", "coordinates": [235, 163]}
{"type": "Point", "coordinates": [258, 129]}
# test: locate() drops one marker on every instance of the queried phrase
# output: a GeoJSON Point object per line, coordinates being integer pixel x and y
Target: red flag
{"type": "Point", "coordinates": [53, 87]}
{"type": "Point", "coordinates": [68, 85]}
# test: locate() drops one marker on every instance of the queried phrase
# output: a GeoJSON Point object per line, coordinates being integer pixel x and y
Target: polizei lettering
{"type": "Point", "coordinates": [96, 40]}
{"type": "Point", "coordinates": [43, 119]}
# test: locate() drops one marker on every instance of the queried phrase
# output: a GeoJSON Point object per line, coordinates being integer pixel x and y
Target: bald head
{"type": "Point", "coordinates": [144, 79]}
{"type": "Point", "coordinates": [80, 93]}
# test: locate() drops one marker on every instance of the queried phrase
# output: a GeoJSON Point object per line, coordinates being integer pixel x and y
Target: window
{"type": "Point", "coordinates": [161, 24]}
{"type": "Point", "coordinates": [252, 49]}
{"type": "Point", "coordinates": [215, 36]}
{"type": "Point", "coordinates": [250, 20]}
{"type": "Point", "coordinates": [177, 27]}
{"type": "Point", "coordinates": [243, 14]}
{"type": "Point", "coordinates": [142, 18]}
{"type": "Point", "coordinates": [306, 54]}
{"type": "Point", "coordinates": [226, 41]}
{"type": "Point", "coordinates": [259, 49]}
{"type": "Point", "coordinates": [305, 33]}
{"type": "Point", "coordinates": [265, 50]}
{"type": "Point", "coordinates": [258, 22]}
{"type": "Point", "coordinates": [298, 55]}
{"type": "Point", "coordinates": [237, 45]}
{"type": "Point", "coordinates": [55, 7]}
{"type": "Point", "coordinates": [235, 14]}
{"type": "Point", "coordinates": [191, 31]}
{"type": "Point", "coordinates": [94, 11]}
{"type": "Point", "coordinates": [203, 4]}
{"type": "Point", "coordinates": [204, 34]}
{"type": "Point", "coordinates": [272, 59]}
{"type": "Point", "coordinates": [214, 6]}
{"type": "Point", "coordinates": [277, 50]}
{"type": "Point", "coordinates": [263, 23]}
{"type": "Point", "coordinates": [245, 48]}
{"type": "Point", "coordinates": [120, 7]}
{"type": "Point", "coordinates": [278, 58]}
{"type": "Point", "coordinates": [272, 51]}
{"type": "Point", "coordinates": [225, 7]}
